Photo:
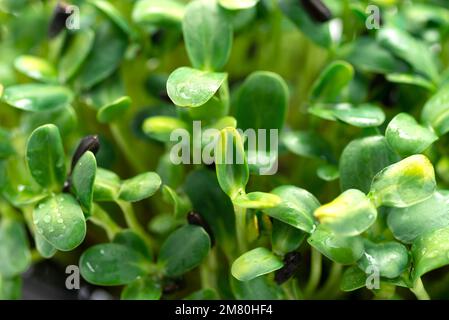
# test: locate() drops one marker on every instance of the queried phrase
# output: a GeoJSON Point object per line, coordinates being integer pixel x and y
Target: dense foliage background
{"type": "Point", "coordinates": [356, 103]}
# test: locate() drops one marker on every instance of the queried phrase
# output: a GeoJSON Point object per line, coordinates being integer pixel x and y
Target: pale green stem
{"type": "Point", "coordinates": [127, 152]}
{"type": "Point", "coordinates": [240, 224]}
{"type": "Point", "coordinates": [103, 220]}
{"type": "Point", "coordinates": [419, 290]}
{"type": "Point", "coordinates": [208, 271]}
{"type": "Point", "coordinates": [133, 223]}
{"type": "Point", "coordinates": [315, 272]}
{"type": "Point", "coordinates": [332, 282]}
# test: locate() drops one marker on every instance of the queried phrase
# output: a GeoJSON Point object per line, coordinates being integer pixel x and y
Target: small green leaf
{"type": "Point", "coordinates": [36, 68]}
{"type": "Point", "coordinates": [158, 12]}
{"type": "Point", "coordinates": [411, 79]}
{"type": "Point", "coordinates": [404, 183]}
{"type": "Point", "coordinates": [407, 137]}
{"type": "Point", "coordinates": [184, 250]}
{"type": "Point", "coordinates": [112, 264]}
{"type": "Point", "coordinates": [60, 220]}
{"type": "Point", "coordinates": [189, 87]}
{"type": "Point", "coordinates": [144, 288]}
{"type": "Point", "coordinates": [207, 34]}
{"type": "Point", "coordinates": [160, 128]}
{"type": "Point", "coordinates": [106, 185]}
{"type": "Point", "coordinates": [353, 278]}
{"type": "Point", "coordinates": [409, 223]}
{"type": "Point", "coordinates": [366, 54]}
{"type": "Point", "coordinates": [107, 52]}
{"type": "Point", "coordinates": [257, 200]}
{"type": "Point", "coordinates": [363, 116]}
{"type": "Point", "coordinates": [37, 97]}
{"type": "Point", "coordinates": [411, 50]}
{"type": "Point", "coordinates": [344, 250]}
{"type": "Point", "coordinates": [15, 256]}
{"type": "Point", "coordinates": [255, 263]}
{"type": "Point", "coordinates": [140, 187]}
{"type": "Point", "coordinates": [45, 248]}
{"type": "Point", "coordinates": [307, 144]}
{"type": "Point", "coordinates": [238, 4]}
{"type": "Point", "coordinates": [296, 208]}
{"type": "Point", "coordinates": [285, 238]}
{"type": "Point", "coordinates": [332, 81]}
{"type": "Point", "coordinates": [260, 288]}
{"type": "Point", "coordinates": [132, 240]}
{"type": "Point", "coordinates": [77, 51]}
{"type": "Point", "coordinates": [430, 252]}
{"type": "Point", "coordinates": [350, 214]}
{"type": "Point", "coordinates": [390, 258]}
{"type": "Point", "coordinates": [317, 32]}
{"type": "Point", "coordinates": [113, 111]}
{"type": "Point", "coordinates": [181, 204]}
{"type": "Point", "coordinates": [83, 178]}
{"type": "Point", "coordinates": [328, 172]}
{"type": "Point", "coordinates": [45, 157]}
{"type": "Point", "coordinates": [230, 163]}
{"type": "Point", "coordinates": [362, 159]}
{"type": "Point", "coordinates": [435, 112]}
{"type": "Point", "coordinates": [262, 102]}
{"type": "Point", "coordinates": [113, 14]}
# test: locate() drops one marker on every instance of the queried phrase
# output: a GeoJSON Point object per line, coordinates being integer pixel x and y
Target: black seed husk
{"type": "Point", "coordinates": [195, 218]}
{"type": "Point", "coordinates": [89, 143]}
{"type": "Point", "coordinates": [58, 20]}
{"type": "Point", "coordinates": [291, 265]}
{"type": "Point", "coordinates": [317, 10]}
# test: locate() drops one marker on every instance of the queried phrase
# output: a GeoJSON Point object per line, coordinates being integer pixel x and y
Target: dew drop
{"type": "Point", "coordinates": [47, 219]}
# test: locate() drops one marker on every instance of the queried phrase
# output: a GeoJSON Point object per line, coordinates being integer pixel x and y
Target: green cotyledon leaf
{"type": "Point", "coordinates": [350, 214]}
{"type": "Point", "coordinates": [207, 34]}
{"type": "Point", "coordinates": [411, 222]}
{"type": "Point", "coordinates": [255, 263]}
{"type": "Point", "coordinates": [430, 251]}
{"type": "Point", "coordinates": [344, 250]}
{"type": "Point", "coordinates": [407, 137]}
{"type": "Point", "coordinates": [145, 288]}
{"type": "Point", "coordinates": [184, 250]}
{"type": "Point", "coordinates": [230, 163]}
{"type": "Point", "coordinates": [112, 264]}
{"type": "Point", "coordinates": [140, 187]}
{"type": "Point", "coordinates": [36, 68]}
{"type": "Point", "coordinates": [15, 256]}
{"type": "Point", "coordinates": [262, 102]}
{"type": "Point", "coordinates": [390, 258]}
{"type": "Point", "coordinates": [410, 49]}
{"type": "Point", "coordinates": [435, 112]}
{"type": "Point", "coordinates": [83, 179]}
{"type": "Point", "coordinates": [37, 97]}
{"type": "Point", "coordinates": [238, 4]}
{"type": "Point", "coordinates": [404, 183]}
{"type": "Point", "coordinates": [296, 207]}
{"type": "Point", "coordinates": [189, 87]}
{"type": "Point", "coordinates": [332, 81]}
{"type": "Point", "coordinates": [158, 12]}
{"type": "Point", "coordinates": [45, 157]}
{"type": "Point", "coordinates": [60, 220]}
{"type": "Point", "coordinates": [362, 159]}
